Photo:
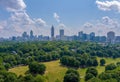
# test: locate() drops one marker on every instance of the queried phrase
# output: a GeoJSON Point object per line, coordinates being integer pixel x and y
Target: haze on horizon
{"type": "Point", "coordinates": [99, 16]}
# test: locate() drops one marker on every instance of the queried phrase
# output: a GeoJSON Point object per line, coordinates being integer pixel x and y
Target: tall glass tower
{"type": "Point", "coordinates": [52, 32]}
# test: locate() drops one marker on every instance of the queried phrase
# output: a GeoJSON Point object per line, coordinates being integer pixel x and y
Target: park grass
{"type": "Point", "coordinates": [19, 70]}
{"type": "Point", "coordinates": [55, 71]}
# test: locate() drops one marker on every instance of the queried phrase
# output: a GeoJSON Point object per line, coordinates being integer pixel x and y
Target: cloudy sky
{"type": "Point", "coordinates": [99, 16]}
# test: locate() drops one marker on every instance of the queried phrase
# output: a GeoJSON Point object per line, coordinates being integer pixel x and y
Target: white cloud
{"type": "Point", "coordinates": [102, 26]}
{"type": "Point", "coordinates": [57, 17]}
{"type": "Point", "coordinates": [40, 22]}
{"type": "Point", "coordinates": [88, 25]}
{"type": "Point", "coordinates": [19, 20]}
{"type": "Point", "coordinates": [13, 5]}
{"type": "Point", "coordinates": [109, 5]}
{"type": "Point", "coordinates": [61, 25]}
{"type": "Point", "coordinates": [111, 23]}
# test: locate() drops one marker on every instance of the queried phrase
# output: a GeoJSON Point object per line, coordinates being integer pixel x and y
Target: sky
{"type": "Point", "coordinates": [99, 16]}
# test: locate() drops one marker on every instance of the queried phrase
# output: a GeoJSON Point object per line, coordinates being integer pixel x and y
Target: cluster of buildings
{"type": "Point", "coordinates": [110, 38]}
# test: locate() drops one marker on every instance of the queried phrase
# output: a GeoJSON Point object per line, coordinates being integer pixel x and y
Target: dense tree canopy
{"type": "Point", "coordinates": [71, 76]}
{"type": "Point", "coordinates": [71, 53]}
{"type": "Point", "coordinates": [37, 68]}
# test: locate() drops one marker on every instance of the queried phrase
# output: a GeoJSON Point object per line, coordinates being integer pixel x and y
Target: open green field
{"type": "Point", "coordinates": [55, 71]}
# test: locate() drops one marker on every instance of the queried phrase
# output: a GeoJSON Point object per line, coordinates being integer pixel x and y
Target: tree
{"type": "Point", "coordinates": [118, 63]}
{"type": "Point", "coordinates": [102, 62]}
{"type": "Point", "coordinates": [88, 76]}
{"type": "Point", "coordinates": [7, 66]}
{"type": "Point", "coordinates": [40, 78]}
{"type": "Point", "coordinates": [105, 76]}
{"type": "Point", "coordinates": [92, 71]}
{"type": "Point", "coordinates": [110, 67]}
{"type": "Point", "coordinates": [71, 76]}
{"type": "Point", "coordinates": [10, 77]}
{"type": "Point", "coordinates": [95, 62]}
{"type": "Point", "coordinates": [95, 79]}
{"type": "Point", "coordinates": [36, 68]}
{"type": "Point", "coordinates": [29, 78]}
{"type": "Point", "coordinates": [72, 71]}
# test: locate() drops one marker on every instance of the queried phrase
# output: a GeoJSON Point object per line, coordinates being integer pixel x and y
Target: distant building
{"type": "Point", "coordinates": [80, 35]}
{"type": "Point", "coordinates": [24, 35]}
{"type": "Point", "coordinates": [61, 34]}
{"type": "Point", "coordinates": [52, 32]}
{"type": "Point", "coordinates": [117, 39]}
{"type": "Point", "coordinates": [92, 36]}
{"type": "Point", "coordinates": [84, 37]}
{"type": "Point", "coordinates": [111, 37]}
{"type": "Point", "coordinates": [102, 39]}
{"type": "Point", "coordinates": [31, 34]}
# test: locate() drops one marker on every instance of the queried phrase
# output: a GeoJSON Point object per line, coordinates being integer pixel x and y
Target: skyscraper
{"type": "Point", "coordinates": [92, 36]}
{"type": "Point", "coordinates": [52, 32]}
{"type": "Point", "coordinates": [80, 35]}
{"type": "Point", "coordinates": [31, 34]}
{"type": "Point", "coordinates": [61, 32]}
{"type": "Point", "coordinates": [110, 37]}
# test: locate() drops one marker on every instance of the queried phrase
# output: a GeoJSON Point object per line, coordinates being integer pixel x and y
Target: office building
{"type": "Point", "coordinates": [52, 32]}
{"type": "Point", "coordinates": [110, 37]}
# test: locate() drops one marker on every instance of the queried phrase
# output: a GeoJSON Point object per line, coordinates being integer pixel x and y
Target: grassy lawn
{"type": "Point", "coordinates": [55, 71]}
{"type": "Point", "coordinates": [20, 70]}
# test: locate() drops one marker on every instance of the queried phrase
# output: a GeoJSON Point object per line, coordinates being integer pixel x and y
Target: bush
{"type": "Point", "coordinates": [71, 76]}
{"type": "Point", "coordinates": [36, 68]}
{"type": "Point", "coordinates": [110, 67]}
{"type": "Point", "coordinates": [88, 76]}
{"type": "Point", "coordinates": [102, 62]}
{"type": "Point", "coordinates": [92, 70]}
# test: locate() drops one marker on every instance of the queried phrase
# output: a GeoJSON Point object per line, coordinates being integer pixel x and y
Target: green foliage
{"type": "Point", "coordinates": [71, 76]}
{"type": "Point", "coordinates": [102, 62]}
{"type": "Point", "coordinates": [36, 68]}
{"type": "Point", "coordinates": [105, 76]}
{"type": "Point", "coordinates": [95, 80]}
{"type": "Point", "coordinates": [92, 71]}
{"type": "Point", "coordinates": [72, 54]}
{"type": "Point", "coordinates": [79, 61]}
{"type": "Point", "coordinates": [72, 71]}
{"type": "Point", "coordinates": [110, 67]}
{"type": "Point", "coordinates": [7, 66]}
{"type": "Point", "coordinates": [88, 76]}
{"type": "Point", "coordinates": [40, 78]}
{"type": "Point", "coordinates": [118, 63]}
{"type": "Point", "coordinates": [69, 61]}
{"type": "Point", "coordinates": [10, 77]}
{"type": "Point", "coordinates": [28, 78]}
{"type": "Point", "coordinates": [7, 76]}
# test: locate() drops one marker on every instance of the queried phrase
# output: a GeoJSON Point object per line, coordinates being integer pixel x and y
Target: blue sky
{"type": "Point", "coordinates": [99, 16]}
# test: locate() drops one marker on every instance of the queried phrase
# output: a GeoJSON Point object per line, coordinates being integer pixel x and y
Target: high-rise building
{"type": "Point", "coordinates": [24, 35]}
{"type": "Point", "coordinates": [111, 37]}
{"type": "Point", "coordinates": [80, 35]}
{"type": "Point", "coordinates": [31, 34]}
{"type": "Point", "coordinates": [61, 32]}
{"type": "Point", "coordinates": [52, 32]}
{"type": "Point", "coordinates": [92, 36]}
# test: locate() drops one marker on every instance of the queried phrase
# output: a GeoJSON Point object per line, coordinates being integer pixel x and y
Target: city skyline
{"type": "Point", "coordinates": [81, 36]}
{"type": "Point", "coordinates": [99, 16]}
